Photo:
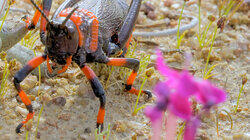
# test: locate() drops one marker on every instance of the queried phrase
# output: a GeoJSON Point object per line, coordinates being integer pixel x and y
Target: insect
{"type": "Point", "coordinates": [83, 31]}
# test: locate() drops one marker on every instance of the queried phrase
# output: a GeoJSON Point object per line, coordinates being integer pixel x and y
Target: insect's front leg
{"type": "Point", "coordinates": [98, 91]}
{"type": "Point", "coordinates": [18, 78]}
{"type": "Point", "coordinates": [130, 63]}
{"type": "Point", "coordinates": [44, 11]}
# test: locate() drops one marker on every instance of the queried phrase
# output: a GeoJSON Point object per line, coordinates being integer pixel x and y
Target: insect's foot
{"type": "Point", "coordinates": [131, 89]}
{"type": "Point", "coordinates": [99, 126]}
{"type": "Point", "coordinates": [27, 20]}
{"type": "Point", "coordinates": [18, 128]}
{"type": "Point", "coordinates": [148, 93]}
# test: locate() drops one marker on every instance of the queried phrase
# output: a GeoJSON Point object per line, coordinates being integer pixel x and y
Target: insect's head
{"type": "Point", "coordinates": [61, 40]}
{"type": "Point", "coordinates": [61, 37]}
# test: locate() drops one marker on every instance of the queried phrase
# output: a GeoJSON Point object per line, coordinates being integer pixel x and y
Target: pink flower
{"type": "Point", "coordinates": [174, 93]}
{"type": "Point", "coordinates": [182, 82]}
{"type": "Point", "coordinates": [210, 95]}
{"type": "Point", "coordinates": [191, 128]}
{"type": "Point", "coordinates": [153, 113]}
{"type": "Point", "coordinates": [180, 106]}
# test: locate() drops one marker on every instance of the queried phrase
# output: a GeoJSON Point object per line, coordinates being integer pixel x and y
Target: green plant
{"type": "Point", "coordinates": [27, 135]}
{"type": "Point", "coordinates": [102, 135]}
{"type": "Point", "coordinates": [5, 15]}
{"type": "Point", "coordinates": [4, 76]}
{"type": "Point", "coordinates": [209, 53]}
{"type": "Point", "coordinates": [137, 100]}
{"type": "Point", "coordinates": [180, 137]}
{"type": "Point", "coordinates": [179, 38]}
{"type": "Point", "coordinates": [244, 81]}
{"type": "Point", "coordinates": [217, 121]}
{"type": "Point", "coordinates": [208, 75]}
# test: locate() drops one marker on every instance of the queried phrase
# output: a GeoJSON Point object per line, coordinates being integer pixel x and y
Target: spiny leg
{"type": "Point", "coordinates": [99, 93]}
{"type": "Point", "coordinates": [18, 78]}
{"type": "Point", "coordinates": [44, 11]}
{"type": "Point", "coordinates": [131, 64]}
{"type": "Point", "coordinates": [129, 23]}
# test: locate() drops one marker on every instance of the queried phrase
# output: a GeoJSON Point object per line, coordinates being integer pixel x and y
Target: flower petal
{"type": "Point", "coordinates": [163, 68]}
{"type": "Point", "coordinates": [191, 128]}
{"type": "Point", "coordinates": [209, 94]}
{"type": "Point", "coordinates": [186, 85]}
{"type": "Point", "coordinates": [161, 90]}
{"type": "Point", "coordinates": [180, 106]}
{"type": "Point", "coordinates": [153, 113]}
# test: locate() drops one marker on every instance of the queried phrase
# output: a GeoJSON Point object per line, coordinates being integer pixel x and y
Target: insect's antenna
{"type": "Point", "coordinates": [40, 11]}
{"type": "Point", "coordinates": [68, 17]}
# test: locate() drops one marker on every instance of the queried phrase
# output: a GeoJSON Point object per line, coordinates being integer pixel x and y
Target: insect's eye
{"type": "Point", "coordinates": [69, 37]}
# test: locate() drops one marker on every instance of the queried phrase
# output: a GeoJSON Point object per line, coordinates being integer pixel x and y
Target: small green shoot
{"type": "Point", "coordinates": [102, 135]}
{"type": "Point", "coordinates": [4, 18]}
{"type": "Point", "coordinates": [199, 4]}
{"type": "Point", "coordinates": [244, 81]}
{"type": "Point", "coordinates": [179, 137]}
{"type": "Point", "coordinates": [27, 135]}
{"type": "Point", "coordinates": [202, 37]}
{"type": "Point", "coordinates": [111, 71]}
{"type": "Point", "coordinates": [179, 24]}
{"type": "Point", "coordinates": [208, 75]}
{"type": "Point", "coordinates": [148, 74]}
{"type": "Point", "coordinates": [5, 75]}
{"type": "Point", "coordinates": [217, 121]}
{"type": "Point", "coordinates": [210, 50]}
{"type": "Point", "coordinates": [137, 100]}
{"type": "Point", "coordinates": [38, 120]}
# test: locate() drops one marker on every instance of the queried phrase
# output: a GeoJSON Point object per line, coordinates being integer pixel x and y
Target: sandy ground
{"type": "Point", "coordinates": [76, 119]}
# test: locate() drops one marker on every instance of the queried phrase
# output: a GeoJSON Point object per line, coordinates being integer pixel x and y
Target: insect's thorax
{"type": "Point", "coordinates": [87, 26]}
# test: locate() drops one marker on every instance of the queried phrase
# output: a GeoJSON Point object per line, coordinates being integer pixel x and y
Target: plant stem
{"type": "Point", "coordinates": [238, 99]}
{"type": "Point", "coordinates": [199, 17]}
{"type": "Point", "coordinates": [39, 115]}
{"type": "Point", "coordinates": [210, 50]}
{"type": "Point", "coordinates": [205, 34]}
{"type": "Point", "coordinates": [171, 124]}
{"type": "Point", "coordinates": [181, 131]}
{"type": "Point", "coordinates": [5, 17]}
{"type": "Point", "coordinates": [27, 135]}
{"type": "Point", "coordinates": [231, 4]}
{"type": "Point", "coordinates": [178, 31]}
{"type": "Point", "coordinates": [137, 100]}
{"type": "Point", "coordinates": [112, 69]}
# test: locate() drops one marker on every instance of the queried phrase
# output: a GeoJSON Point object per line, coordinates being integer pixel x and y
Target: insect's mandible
{"type": "Point", "coordinates": [78, 32]}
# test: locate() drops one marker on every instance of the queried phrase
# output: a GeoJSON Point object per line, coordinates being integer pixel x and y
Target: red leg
{"type": "Point", "coordinates": [124, 51]}
{"type": "Point", "coordinates": [131, 64]}
{"type": "Point", "coordinates": [18, 78]}
{"type": "Point", "coordinates": [35, 19]}
{"type": "Point", "coordinates": [99, 93]}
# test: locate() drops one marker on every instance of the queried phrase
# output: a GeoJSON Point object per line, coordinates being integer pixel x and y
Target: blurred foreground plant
{"type": "Point", "coordinates": [173, 95]}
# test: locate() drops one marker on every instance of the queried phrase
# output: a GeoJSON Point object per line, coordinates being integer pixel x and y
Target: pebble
{"type": "Point", "coordinates": [119, 126]}
{"type": "Point", "coordinates": [87, 130]}
{"type": "Point", "coordinates": [175, 6]}
{"type": "Point", "coordinates": [168, 3]}
{"type": "Point", "coordinates": [60, 101]}
{"type": "Point", "coordinates": [64, 116]}
{"type": "Point", "coordinates": [22, 111]}
{"type": "Point", "coordinates": [29, 82]}
{"type": "Point", "coordinates": [60, 91]}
